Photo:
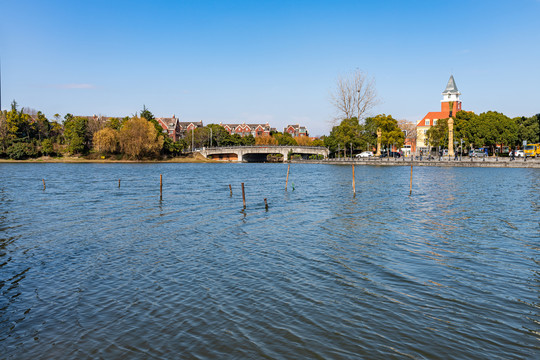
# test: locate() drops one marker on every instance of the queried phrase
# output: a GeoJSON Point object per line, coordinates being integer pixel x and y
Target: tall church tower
{"type": "Point", "coordinates": [450, 99]}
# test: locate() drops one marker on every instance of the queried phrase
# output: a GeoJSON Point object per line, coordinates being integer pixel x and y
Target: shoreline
{"type": "Point", "coordinates": [78, 160]}
{"type": "Point", "coordinates": [491, 163]}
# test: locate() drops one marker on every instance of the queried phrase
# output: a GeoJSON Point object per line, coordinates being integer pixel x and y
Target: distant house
{"type": "Point", "coordinates": [176, 129]}
{"type": "Point", "coordinates": [450, 97]}
{"type": "Point", "coordinates": [171, 127]}
{"type": "Point", "coordinates": [257, 130]}
{"type": "Point", "coordinates": [296, 130]}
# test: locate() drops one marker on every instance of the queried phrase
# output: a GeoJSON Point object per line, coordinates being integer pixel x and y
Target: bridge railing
{"type": "Point", "coordinates": [266, 147]}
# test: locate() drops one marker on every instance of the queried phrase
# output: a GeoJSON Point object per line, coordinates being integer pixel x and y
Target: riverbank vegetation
{"type": "Point", "coordinates": [28, 134]}
{"type": "Point", "coordinates": [490, 129]}
{"type": "Point", "coordinates": [351, 135]}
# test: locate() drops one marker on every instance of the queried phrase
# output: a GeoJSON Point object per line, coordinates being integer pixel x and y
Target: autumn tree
{"type": "Point", "coordinates": [303, 141]}
{"type": "Point", "coordinates": [139, 138]}
{"type": "Point", "coordinates": [354, 95]}
{"type": "Point", "coordinates": [266, 140]}
{"type": "Point", "coordinates": [106, 140]}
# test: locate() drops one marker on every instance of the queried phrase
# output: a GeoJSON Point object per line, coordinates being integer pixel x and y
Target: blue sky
{"type": "Point", "coordinates": [267, 61]}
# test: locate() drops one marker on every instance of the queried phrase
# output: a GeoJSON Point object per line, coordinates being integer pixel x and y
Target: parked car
{"type": "Point", "coordinates": [477, 153]}
{"type": "Point", "coordinates": [519, 153]}
{"type": "Point", "coordinates": [365, 154]}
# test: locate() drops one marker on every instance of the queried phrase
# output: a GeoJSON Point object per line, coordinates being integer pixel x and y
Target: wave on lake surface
{"type": "Point", "coordinates": [92, 270]}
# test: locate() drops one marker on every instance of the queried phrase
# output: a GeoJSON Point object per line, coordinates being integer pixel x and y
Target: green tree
{"type": "Point", "coordinates": [47, 147]}
{"type": "Point", "coordinates": [75, 134]}
{"type": "Point", "coordinates": [437, 135]}
{"type": "Point", "coordinates": [219, 135]}
{"type": "Point", "coordinates": [391, 134]}
{"type": "Point", "coordinates": [284, 139]}
{"type": "Point", "coordinates": [43, 126]}
{"type": "Point", "coordinates": [147, 114]}
{"type": "Point", "coordinates": [528, 129]}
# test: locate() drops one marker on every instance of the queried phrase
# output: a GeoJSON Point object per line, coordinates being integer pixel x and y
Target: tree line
{"type": "Point", "coordinates": [26, 133]}
{"type": "Point", "coordinates": [489, 129]}
{"type": "Point", "coordinates": [351, 134]}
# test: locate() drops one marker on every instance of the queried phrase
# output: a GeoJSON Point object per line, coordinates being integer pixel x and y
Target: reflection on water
{"type": "Point", "coordinates": [90, 270]}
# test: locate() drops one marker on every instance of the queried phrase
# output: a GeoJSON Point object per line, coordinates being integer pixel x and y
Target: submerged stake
{"type": "Point", "coordinates": [410, 183]}
{"type": "Point", "coordinates": [160, 187]}
{"type": "Point", "coordinates": [243, 196]}
{"type": "Point", "coordinates": [230, 189]}
{"type": "Point", "coordinates": [353, 181]}
{"type": "Point", "coordinates": [287, 180]}
{"type": "Point", "coordinates": [43, 183]}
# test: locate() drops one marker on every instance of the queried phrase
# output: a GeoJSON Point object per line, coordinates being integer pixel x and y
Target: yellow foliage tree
{"type": "Point", "coordinates": [265, 140]}
{"type": "Point", "coordinates": [106, 140]}
{"type": "Point", "coordinates": [303, 141]}
{"type": "Point", "coordinates": [139, 138]}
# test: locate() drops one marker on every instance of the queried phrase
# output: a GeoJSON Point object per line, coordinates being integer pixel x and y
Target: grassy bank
{"type": "Point", "coordinates": [191, 158]}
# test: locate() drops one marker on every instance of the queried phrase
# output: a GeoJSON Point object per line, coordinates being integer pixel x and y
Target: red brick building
{"type": "Point", "coordinates": [257, 130]}
{"type": "Point", "coordinates": [296, 130]}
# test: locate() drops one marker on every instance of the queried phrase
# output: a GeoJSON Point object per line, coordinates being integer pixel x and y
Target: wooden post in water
{"type": "Point", "coordinates": [287, 180]}
{"type": "Point", "coordinates": [118, 183]}
{"type": "Point", "coordinates": [43, 183]}
{"type": "Point", "coordinates": [230, 189]}
{"type": "Point", "coordinates": [265, 204]}
{"type": "Point", "coordinates": [410, 183]}
{"type": "Point", "coordinates": [243, 196]}
{"type": "Point", "coordinates": [160, 187]}
{"type": "Point", "coordinates": [353, 181]}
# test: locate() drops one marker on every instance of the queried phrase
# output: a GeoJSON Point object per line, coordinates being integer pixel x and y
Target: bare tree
{"type": "Point", "coordinates": [354, 96]}
{"type": "Point", "coordinates": [409, 129]}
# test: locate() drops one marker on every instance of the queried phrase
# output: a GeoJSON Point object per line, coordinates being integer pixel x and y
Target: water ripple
{"type": "Point", "coordinates": [91, 270]}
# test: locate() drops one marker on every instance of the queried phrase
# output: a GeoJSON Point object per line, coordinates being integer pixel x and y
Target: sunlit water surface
{"type": "Point", "coordinates": [92, 270]}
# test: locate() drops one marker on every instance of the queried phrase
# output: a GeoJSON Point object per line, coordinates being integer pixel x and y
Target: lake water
{"type": "Point", "coordinates": [91, 270]}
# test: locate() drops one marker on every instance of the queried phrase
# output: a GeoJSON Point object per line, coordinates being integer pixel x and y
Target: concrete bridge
{"type": "Point", "coordinates": [259, 153]}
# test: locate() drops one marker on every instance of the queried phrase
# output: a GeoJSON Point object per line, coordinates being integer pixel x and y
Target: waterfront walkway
{"type": "Point", "coordinates": [501, 162]}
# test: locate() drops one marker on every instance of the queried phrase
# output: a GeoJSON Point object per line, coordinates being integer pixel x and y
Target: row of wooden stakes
{"type": "Point", "coordinates": [243, 191]}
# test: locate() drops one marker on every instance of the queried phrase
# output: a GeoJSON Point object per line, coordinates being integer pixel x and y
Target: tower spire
{"type": "Point", "coordinates": [451, 87]}
{"type": "Point", "coordinates": [451, 103]}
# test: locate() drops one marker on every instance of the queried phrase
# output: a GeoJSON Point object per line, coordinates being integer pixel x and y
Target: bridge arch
{"type": "Point", "coordinates": [245, 153]}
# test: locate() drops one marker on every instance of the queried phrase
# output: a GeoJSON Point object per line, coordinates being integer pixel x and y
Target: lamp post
{"type": "Point", "coordinates": [351, 151]}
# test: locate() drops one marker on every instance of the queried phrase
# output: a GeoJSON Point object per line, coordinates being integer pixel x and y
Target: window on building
{"type": "Point", "coordinates": [434, 122]}
{"type": "Point", "coordinates": [427, 122]}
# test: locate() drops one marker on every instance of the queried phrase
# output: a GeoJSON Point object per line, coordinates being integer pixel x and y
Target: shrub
{"type": "Point", "coordinates": [19, 151]}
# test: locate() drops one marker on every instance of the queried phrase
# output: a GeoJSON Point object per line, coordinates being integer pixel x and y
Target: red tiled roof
{"type": "Point", "coordinates": [433, 115]}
